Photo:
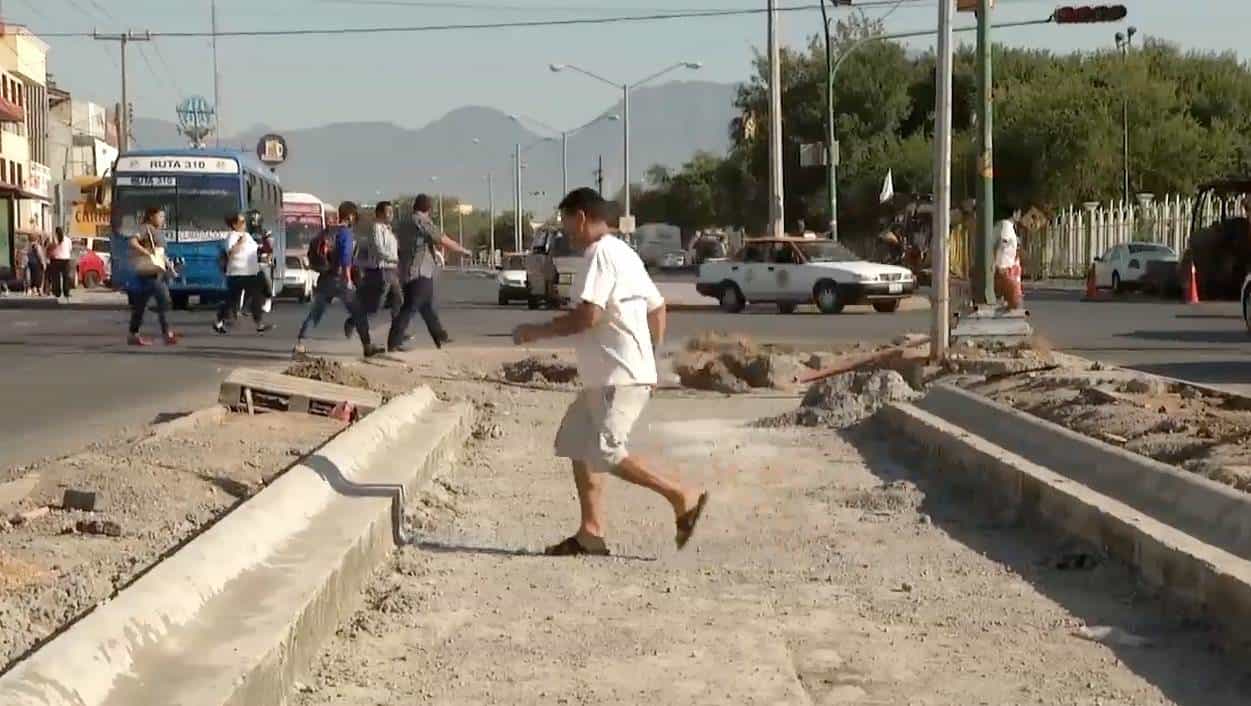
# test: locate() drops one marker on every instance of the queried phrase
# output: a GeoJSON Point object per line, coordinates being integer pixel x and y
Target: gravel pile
{"type": "Point", "coordinates": [551, 370]}
{"type": "Point", "coordinates": [324, 370]}
{"type": "Point", "coordinates": [844, 400]}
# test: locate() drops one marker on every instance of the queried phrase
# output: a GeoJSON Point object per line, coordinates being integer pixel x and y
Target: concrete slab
{"type": "Point", "coordinates": [1200, 578]}
{"type": "Point", "coordinates": [299, 394]}
{"type": "Point", "coordinates": [234, 615]}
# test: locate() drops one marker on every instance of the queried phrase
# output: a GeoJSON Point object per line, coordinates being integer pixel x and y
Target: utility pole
{"type": "Point", "coordinates": [625, 122]}
{"type": "Point", "coordinates": [599, 176]}
{"type": "Point", "coordinates": [217, 81]}
{"type": "Point", "coordinates": [124, 38]}
{"type": "Point", "coordinates": [491, 221]}
{"type": "Point", "coordinates": [831, 142]}
{"type": "Point", "coordinates": [983, 274]}
{"type": "Point", "coordinates": [517, 198]}
{"type": "Point", "coordinates": [777, 215]}
{"type": "Point", "coordinates": [941, 304]}
{"type": "Point", "coordinates": [1125, 42]}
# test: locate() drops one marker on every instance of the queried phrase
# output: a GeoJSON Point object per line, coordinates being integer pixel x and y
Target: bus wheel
{"type": "Point", "coordinates": [181, 302]}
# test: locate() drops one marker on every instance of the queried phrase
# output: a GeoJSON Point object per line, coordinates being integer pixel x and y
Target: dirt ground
{"type": "Point", "coordinates": [1205, 433]}
{"type": "Point", "coordinates": [825, 572]}
{"type": "Point", "coordinates": [158, 492]}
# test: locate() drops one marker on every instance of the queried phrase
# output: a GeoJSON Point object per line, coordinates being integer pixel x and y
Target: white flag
{"type": "Point", "coordinates": [888, 187]}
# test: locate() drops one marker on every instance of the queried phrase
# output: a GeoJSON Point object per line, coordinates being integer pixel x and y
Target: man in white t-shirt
{"type": "Point", "coordinates": [617, 320]}
{"type": "Point", "coordinates": [1007, 260]}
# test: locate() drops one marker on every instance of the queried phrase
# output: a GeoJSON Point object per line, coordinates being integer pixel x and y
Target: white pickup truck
{"type": "Point", "coordinates": [794, 271]}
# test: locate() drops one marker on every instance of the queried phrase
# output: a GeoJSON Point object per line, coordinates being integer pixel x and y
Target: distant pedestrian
{"type": "Point", "coordinates": [59, 265]}
{"type": "Point", "coordinates": [380, 259]}
{"type": "Point", "coordinates": [618, 320]}
{"type": "Point", "coordinates": [243, 277]}
{"type": "Point", "coordinates": [336, 281]}
{"type": "Point", "coordinates": [1007, 282]}
{"type": "Point", "coordinates": [147, 259]}
{"type": "Point", "coordinates": [422, 263]}
{"type": "Point", "coordinates": [36, 266]}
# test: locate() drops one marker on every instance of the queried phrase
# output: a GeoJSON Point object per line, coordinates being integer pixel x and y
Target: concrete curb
{"type": "Point", "coordinates": [17, 303]}
{"type": "Point", "coordinates": [1199, 577]}
{"type": "Point", "coordinates": [914, 303]}
{"type": "Point", "coordinates": [234, 615]}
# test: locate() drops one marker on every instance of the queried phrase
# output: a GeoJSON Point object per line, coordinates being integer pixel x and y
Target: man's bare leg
{"type": "Point", "coordinates": [591, 499]}
{"type": "Point", "coordinates": [683, 499]}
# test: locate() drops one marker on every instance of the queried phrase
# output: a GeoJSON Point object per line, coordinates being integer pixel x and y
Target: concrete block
{"type": "Point", "coordinates": [236, 614]}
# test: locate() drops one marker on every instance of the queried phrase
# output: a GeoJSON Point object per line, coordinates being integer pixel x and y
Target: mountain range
{"type": "Point", "coordinates": [453, 155]}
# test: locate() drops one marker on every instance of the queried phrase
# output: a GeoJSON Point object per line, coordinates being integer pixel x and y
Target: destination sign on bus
{"type": "Point", "coordinates": [186, 165]}
{"type": "Point", "coordinates": [146, 181]}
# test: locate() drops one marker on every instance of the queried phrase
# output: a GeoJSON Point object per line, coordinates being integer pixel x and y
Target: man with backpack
{"type": "Point", "coordinates": [331, 256]}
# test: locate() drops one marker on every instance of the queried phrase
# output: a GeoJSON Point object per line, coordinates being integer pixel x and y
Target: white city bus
{"type": "Point", "coordinates": [304, 215]}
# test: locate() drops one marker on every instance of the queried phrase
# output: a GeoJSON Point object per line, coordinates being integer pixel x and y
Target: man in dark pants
{"type": "Point", "coordinates": [421, 265]}
{"type": "Point", "coordinates": [337, 282]}
{"type": "Point", "coordinates": [381, 280]}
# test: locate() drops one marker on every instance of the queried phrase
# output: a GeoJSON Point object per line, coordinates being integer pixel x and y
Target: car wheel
{"type": "Point", "coordinates": [503, 299]}
{"type": "Point", "coordinates": [826, 296]}
{"type": "Point", "coordinates": [889, 307]}
{"type": "Point", "coordinates": [91, 280]}
{"type": "Point", "coordinates": [731, 298]}
{"type": "Point", "coordinates": [786, 307]}
{"type": "Point", "coordinates": [533, 302]}
{"type": "Point", "coordinates": [1116, 282]}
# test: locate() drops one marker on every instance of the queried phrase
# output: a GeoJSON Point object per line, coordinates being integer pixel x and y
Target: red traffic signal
{"type": "Point", "coordinates": [1090, 14]}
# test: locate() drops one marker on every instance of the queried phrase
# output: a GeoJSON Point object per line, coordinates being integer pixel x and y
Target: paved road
{"type": "Point", "coordinates": [67, 378]}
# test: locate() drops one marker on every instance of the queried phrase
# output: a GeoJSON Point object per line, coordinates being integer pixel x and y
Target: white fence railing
{"type": "Point", "coordinates": [1067, 244]}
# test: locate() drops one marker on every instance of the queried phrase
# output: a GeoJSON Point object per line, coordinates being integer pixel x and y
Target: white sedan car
{"type": "Point", "coordinates": [298, 280]}
{"type": "Point", "coordinates": [1126, 265]}
{"type": "Point", "coordinates": [793, 271]}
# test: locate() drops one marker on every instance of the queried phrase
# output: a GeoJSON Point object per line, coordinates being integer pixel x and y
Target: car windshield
{"type": "Point", "coordinates": [1138, 248]}
{"type": "Point", "coordinates": [293, 263]}
{"type": "Point", "coordinates": [827, 252]}
{"type": "Point", "coordinates": [515, 262]}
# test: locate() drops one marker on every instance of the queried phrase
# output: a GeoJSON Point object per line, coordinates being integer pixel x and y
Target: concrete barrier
{"type": "Point", "coordinates": [234, 615]}
{"type": "Point", "coordinates": [1198, 577]}
{"type": "Point", "coordinates": [1210, 511]}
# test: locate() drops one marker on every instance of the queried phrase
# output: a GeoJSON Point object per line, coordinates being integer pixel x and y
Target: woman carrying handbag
{"type": "Point", "coordinates": [147, 258]}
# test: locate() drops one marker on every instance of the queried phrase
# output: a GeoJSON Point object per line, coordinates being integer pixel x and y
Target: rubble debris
{"type": "Point", "coordinates": [846, 399]}
{"type": "Point", "coordinates": [84, 500]}
{"type": "Point", "coordinates": [325, 370]}
{"type": "Point", "coordinates": [1111, 636]}
{"type": "Point", "coordinates": [29, 516]}
{"type": "Point", "coordinates": [710, 374]}
{"type": "Point", "coordinates": [552, 370]}
{"type": "Point", "coordinates": [106, 528]}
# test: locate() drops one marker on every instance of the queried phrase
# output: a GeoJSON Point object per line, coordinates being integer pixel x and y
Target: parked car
{"type": "Point", "coordinates": [92, 270]}
{"type": "Point", "coordinates": [512, 280]}
{"type": "Point", "coordinates": [673, 260]}
{"type": "Point", "coordinates": [794, 271]}
{"type": "Point", "coordinates": [298, 281]}
{"type": "Point", "coordinates": [1126, 266]}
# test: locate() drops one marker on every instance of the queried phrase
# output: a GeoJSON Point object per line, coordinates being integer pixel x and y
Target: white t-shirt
{"type": "Point", "coordinates": [618, 350]}
{"type": "Point", "coordinates": [62, 250]}
{"type": "Point", "coordinates": [1005, 245]}
{"type": "Point", "coordinates": [245, 261]}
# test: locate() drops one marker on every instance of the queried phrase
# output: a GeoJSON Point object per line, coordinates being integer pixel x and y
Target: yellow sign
{"type": "Point", "coordinates": [970, 5]}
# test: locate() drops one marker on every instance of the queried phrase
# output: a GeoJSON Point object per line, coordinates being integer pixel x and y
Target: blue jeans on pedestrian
{"type": "Point", "coordinates": [144, 289]}
{"type": "Point", "coordinates": [328, 289]}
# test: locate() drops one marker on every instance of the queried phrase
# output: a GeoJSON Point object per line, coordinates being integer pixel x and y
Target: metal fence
{"type": "Point", "coordinates": [1065, 245]}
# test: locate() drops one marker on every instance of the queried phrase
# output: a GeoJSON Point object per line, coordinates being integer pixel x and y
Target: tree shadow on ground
{"type": "Point", "coordinates": [1185, 664]}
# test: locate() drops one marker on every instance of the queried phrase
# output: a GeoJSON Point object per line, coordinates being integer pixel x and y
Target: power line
{"type": "Point", "coordinates": [521, 24]}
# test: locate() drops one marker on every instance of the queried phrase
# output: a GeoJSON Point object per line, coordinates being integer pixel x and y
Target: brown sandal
{"type": "Point", "coordinates": [573, 547]}
{"type": "Point", "coordinates": [686, 523]}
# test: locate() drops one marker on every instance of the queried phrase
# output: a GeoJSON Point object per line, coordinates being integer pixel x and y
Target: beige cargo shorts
{"type": "Point", "coordinates": [596, 428]}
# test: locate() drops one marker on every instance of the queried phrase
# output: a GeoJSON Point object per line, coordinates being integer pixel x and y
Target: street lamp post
{"type": "Point", "coordinates": [625, 110]}
{"type": "Point", "coordinates": [1125, 42]}
{"type": "Point", "coordinates": [564, 140]}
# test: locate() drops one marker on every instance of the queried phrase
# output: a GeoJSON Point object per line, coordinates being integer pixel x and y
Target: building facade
{"type": "Point", "coordinates": [25, 178]}
{"type": "Point", "coordinates": [82, 146]}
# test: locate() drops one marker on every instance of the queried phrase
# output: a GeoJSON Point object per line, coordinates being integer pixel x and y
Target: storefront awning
{"type": "Point", "coordinates": [11, 112]}
{"type": "Point", "coordinates": [19, 193]}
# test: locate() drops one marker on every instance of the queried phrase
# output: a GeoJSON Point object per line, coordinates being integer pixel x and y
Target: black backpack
{"type": "Point", "coordinates": [319, 253]}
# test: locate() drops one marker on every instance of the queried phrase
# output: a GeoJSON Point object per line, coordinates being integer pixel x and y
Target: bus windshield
{"type": "Point", "coordinates": [303, 222]}
{"type": "Point", "coordinates": [195, 205]}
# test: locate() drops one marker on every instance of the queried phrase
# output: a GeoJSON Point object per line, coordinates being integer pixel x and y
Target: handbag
{"type": "Point", "coordinates": [150, 264]}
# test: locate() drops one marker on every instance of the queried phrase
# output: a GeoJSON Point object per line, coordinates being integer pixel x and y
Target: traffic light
{"type": "Point", "coordinates": [1087, 14]}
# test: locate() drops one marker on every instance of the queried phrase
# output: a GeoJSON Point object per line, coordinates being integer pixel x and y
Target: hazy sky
{"type": "Point", "coordinates": [411, 79]}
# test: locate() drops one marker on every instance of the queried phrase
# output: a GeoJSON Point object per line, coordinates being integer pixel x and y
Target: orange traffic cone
{"type": "Point", "coordinates": [1192, 292]}
{"type": "Point", "coordinates": [1092, 291]}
